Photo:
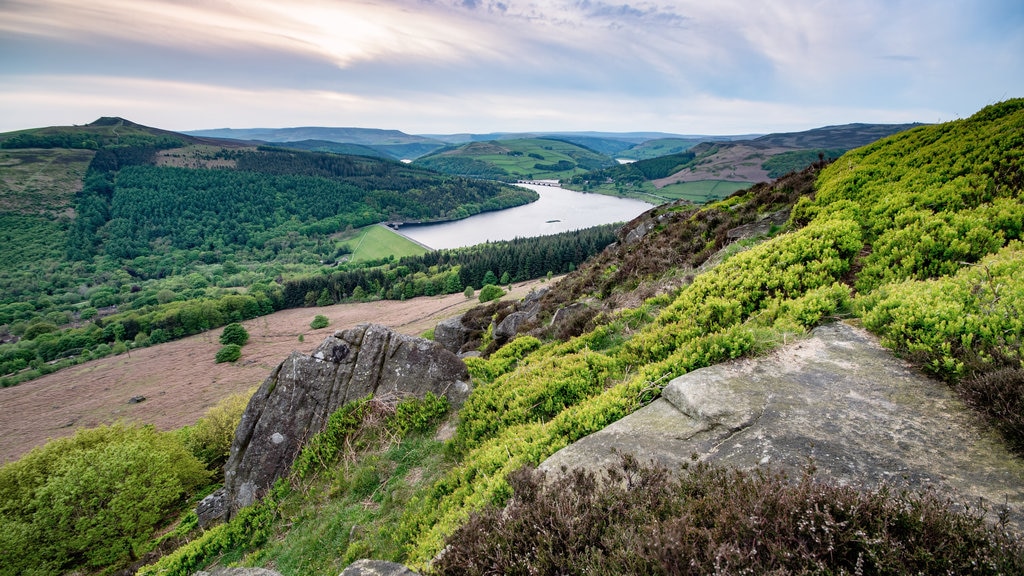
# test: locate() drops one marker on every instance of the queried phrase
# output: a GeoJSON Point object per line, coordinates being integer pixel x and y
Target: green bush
{"type": "Point", "coordinates": [234, 333]}
{"type": "Point", "coordinates": [210, 438]}
{"type": "Point", "coordinates": [92, 500]}
{"type": "Point", "coordinates": [490, 292]}
{"type": "Point", "coordinates": [229, 353]}
{"type": "Point", "coordinates": [319, 321]}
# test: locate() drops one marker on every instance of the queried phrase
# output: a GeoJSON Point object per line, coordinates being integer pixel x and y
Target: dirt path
{"type": "Point", "coordinates": [180, 380]}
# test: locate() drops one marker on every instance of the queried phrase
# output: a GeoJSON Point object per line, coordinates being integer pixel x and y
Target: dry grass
{"type": "Point", "coordinates": [180, 380]}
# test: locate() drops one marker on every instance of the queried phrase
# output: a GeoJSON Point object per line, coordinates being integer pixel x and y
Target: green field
{"type": "Point", "coordinates": [522, 158]}
{"type": "Point", "coordinates": [700, 192]}
{"type": "Point", "coordinates": [38, 181]}
{"type": "Point", "coordinates": [703, 191]}
{"type": "Point", "coordinates": [377, 242]}
{"type": "Point", "coordinates": [656, 148]}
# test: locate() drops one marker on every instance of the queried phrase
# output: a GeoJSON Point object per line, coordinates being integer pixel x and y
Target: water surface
{"type": "Point", "coordinates": [557, 210]}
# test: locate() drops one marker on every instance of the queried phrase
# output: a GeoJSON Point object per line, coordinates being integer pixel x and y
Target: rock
{"type": "Point", "coordinates": [238, 572]}
{"type": "Point", "coordinates": [525, 311]}
{"type": "Point", "coordinates": [211, 509]}
{"type": "Point", "coordinates": [837, 399]}
{"type": "Point", "coordinates": [136, 399]}
{"type": "Point", "coordinates": [509, 326]}
{"type": "Point", "coordinates": [295, 401]}
{"type": "Point", "coordinates": [452, 334]}
{"type": "Point", "coordinates": [760, 227]}
{"type": "Point", "coordinates": [377, 568]}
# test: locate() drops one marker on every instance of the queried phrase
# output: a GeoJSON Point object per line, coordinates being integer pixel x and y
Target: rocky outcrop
{"type": "Point", "coordinates": [836, 399]}
{"type": "Point", "coordinates": [452, 334]}
{"type": "Point", "coordinates": [377, 568]}
{"type": "Point", "coordinates": [525, 311]}
{"type": "Point", "coordinates": [295, 401]}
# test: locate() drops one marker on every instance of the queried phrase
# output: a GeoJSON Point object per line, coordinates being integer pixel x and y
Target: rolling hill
{"type": "Point", "coordinates": [516, 159]}
{"type": "Point", "coordinates": [114, 217]}
{"type": "Point", "coordinates": [916, 236]}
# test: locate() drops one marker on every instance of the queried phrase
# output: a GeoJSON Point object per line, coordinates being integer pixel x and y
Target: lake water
{"type": "Point", "coordinates": [558, 210]}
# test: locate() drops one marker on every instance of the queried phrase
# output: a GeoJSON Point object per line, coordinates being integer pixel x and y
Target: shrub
{"type": "Point", "coordinates": [210, 438]}
{"type": "Point", "coordinates": [229, 353]}
{"type": "Point", "coordinates": [642, 520]}
{"type": "Point", "coordinates": [92, 500]}
{"type": "Point", "coordinates": [319, 321]}
{"type": "Point", "coordinates": [468, 292]}
{"type": "Point", "coordinates": [490, 292]}
{"type": "Point", "coordinates": [234, 333]}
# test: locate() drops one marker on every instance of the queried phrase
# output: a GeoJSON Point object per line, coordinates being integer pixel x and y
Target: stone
{"type": "Point", "coordinates": [238, 572]}
{"type": "Point", "coordinates": [136, 399]}
{"type": "Point", "coordinates": [452, 334]}
{"type": "Point", "coordinates": [377, 568]}
{"type": "Point", "coordinates": [836, 399]}
{"type": "Point", "coordinates": [525, 311]}
{"type": "Point", "coordinates": [211, 510]}
{"type": "Point", "coordinates": [295, 401]}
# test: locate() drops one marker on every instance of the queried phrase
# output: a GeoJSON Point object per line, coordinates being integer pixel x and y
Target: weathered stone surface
{"type": "Point", "coordinates": [295, 401]}
{"type": "Point", "coordinates": [452, 334]}
{"type": "Point", "coordinates": [838, 399]}
{"type": "Point", "coordinates": [525, 311]}
{"type": "Point", "coordinates": [760, 227]}
{"type": "Point", "coordinates": [377, 568]}
{"type": "Point", "coordinates": [211, 510]}
{"type": "Point", "coordinates": [238, 572]}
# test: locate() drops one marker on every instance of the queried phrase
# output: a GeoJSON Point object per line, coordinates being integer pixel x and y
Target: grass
{"type": "Point", "coordinates": [350, 512]}
{"type": "Point", "coordinates": [378, 242]}
{"type": "Point", "coordinates": [36, 181]}
{"type": "Point", "coordinates": [700, 192]}
{"type": "Point", "coordinates": [513, 156]}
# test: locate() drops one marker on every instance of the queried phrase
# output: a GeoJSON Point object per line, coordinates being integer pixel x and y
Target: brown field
{"type": "Point", "coordinates": [180, 380]}
{"type": "Point", "coordinates": [738, 163]}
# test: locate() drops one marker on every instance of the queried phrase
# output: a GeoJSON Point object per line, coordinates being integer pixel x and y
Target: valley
{"type": "Point", "coordinates": [180, 380]}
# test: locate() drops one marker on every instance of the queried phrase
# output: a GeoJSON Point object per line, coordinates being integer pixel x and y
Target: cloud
{"type": "Point", "coordinates": [464, 62]}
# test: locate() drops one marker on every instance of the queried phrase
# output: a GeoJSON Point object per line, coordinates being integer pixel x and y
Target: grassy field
{"type": "Point", "coordinates": [699, 192]}
{"type": "Point", "coordinates": [702, 191]}
{"type": "Point", "coordinates": [520, 157]}
{"type": "Point", "coordinates": [36, 181]}
{"type": "Point", "coordinates": [376, 242]}
{"type": "Point", "coordinates": [659, 147]}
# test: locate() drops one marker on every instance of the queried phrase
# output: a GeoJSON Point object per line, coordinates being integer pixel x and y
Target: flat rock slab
{"type": "Point", "coordinates": [837, 399]}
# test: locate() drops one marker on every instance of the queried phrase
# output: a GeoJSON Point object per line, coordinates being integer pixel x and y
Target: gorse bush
{"type": "Point", "coordinates": [643, 520]}
{"type": "Point", "coordinates": [319, 321]}
{"type": "Point", "coordinates": [92, 500]}
{"type": "Point", "coordinates": [210, 438]}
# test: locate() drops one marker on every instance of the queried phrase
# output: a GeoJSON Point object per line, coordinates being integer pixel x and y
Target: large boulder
{"type": "Point", "coordinates": [837, 399]}
{"type": "Point", "coordinates": [452, 334]}
{"type": "Point", "coordinates": [294, 402]}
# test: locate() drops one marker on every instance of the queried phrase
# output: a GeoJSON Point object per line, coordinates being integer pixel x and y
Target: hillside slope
{"type": "Point", "coordinates": [917, 235]}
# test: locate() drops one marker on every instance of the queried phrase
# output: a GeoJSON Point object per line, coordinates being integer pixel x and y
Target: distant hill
{"type": "Point", "coordinates": [718, 168]}
{"type": "Point", "coordinates": [516, 159]}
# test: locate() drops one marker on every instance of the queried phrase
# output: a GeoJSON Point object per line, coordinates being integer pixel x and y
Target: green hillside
{"type": "Point", "coordinates": [113, 222]}
{"type": "Point", "coordinates": [916, 236]}
{"type": "Point", "coordinates": [516, 159]}
{"type": "Point", "coordinates": [672, 169]}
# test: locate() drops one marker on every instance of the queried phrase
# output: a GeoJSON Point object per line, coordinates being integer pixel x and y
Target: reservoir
{"type": "Point", "coordinates": [557, 210]}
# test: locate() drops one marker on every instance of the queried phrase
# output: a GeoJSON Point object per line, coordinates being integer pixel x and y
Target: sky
{"type": "Point", "coordinates": [453, 66]}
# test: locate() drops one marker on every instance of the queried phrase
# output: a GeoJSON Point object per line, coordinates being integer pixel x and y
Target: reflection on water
{"type": "Point", "coordinates": [558, 210]}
